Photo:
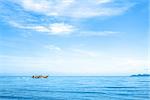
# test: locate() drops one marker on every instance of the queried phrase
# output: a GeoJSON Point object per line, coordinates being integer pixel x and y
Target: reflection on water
{"type": "Point", "coordinates": [75, 88]}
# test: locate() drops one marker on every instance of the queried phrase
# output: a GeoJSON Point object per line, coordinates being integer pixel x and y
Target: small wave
{"type": "Point", "coordinates": [121, 87]}
{"type": "Point", "coordinates": [14, 97]}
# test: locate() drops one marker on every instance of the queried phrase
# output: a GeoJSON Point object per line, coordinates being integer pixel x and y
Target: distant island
{"type": "Point", "coordinates": [140, 75]}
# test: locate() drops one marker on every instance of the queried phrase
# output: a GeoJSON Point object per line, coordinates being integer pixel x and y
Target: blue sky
{"type": "Point", "coordinates": [73, 37]}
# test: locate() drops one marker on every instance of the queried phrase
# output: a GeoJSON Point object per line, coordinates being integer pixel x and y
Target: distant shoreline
{"type": "Point", "coordinates": [80, 76]}
{"type": "Point", "coordinates": [133, 75]}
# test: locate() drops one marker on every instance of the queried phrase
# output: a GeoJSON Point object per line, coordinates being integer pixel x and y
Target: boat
{"type": "Point", "coordinates": [40, 76]}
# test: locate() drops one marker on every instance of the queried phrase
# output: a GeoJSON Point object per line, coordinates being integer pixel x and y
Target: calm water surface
{"type": "Point", "coordinates": [75, 88]}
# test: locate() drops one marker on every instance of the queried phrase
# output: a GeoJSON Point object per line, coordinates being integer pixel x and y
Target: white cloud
{"type": "Point", "coordinates": [37, 5]}
{"type": "Point", "coordinates": [76, 8]}
{"type": "Point", "coordinates": [98, 33]}
{"type": "Point", "coordinates": [38, 28]}
{"type": "Point", "coordinates": [51, 29]}
{"type": "Point", "coordinates": [52, 22]}
{"type": "Point", "coordinates": [103, 1]}
{"type": "Point", "coordinates": [58, 28]}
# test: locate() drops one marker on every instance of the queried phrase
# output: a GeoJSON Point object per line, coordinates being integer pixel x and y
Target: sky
{"type": "Point", "coordinates": [73, 37]}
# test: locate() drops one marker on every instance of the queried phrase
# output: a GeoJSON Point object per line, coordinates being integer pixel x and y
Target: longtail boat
{"type": "Point", "coordinates": [40, 76]}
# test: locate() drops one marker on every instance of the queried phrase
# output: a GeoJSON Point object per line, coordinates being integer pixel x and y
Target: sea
{"type": "Point", "coordinates": [75, 88]}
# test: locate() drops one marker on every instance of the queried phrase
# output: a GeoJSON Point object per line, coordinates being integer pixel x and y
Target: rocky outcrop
{"type": "Point", "coordinates": [141, 75]}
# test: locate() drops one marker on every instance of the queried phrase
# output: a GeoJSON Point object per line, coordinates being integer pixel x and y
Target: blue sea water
{"type": "Point", "coordinates": [74, 88]}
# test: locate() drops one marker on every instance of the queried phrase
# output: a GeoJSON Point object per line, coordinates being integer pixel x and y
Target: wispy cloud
{"type": "Point", "coordinates": [51, 29]}
{"type": "Point", "coordinates": [103, 1]}
{"type": "Point", "coordinates": [57, 28]}
{"type": "Point", "coordinates": [76, 8]}
{"type": "Point", "coordinates": [98, 33]}
{"type": "Point", "coordinates": [61, 29]}
{"type": "Point", "coordinates": [46, 16]}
